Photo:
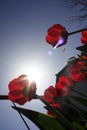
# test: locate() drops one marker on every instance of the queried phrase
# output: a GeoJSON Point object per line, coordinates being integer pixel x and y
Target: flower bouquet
{"type": "Point", "coordinates": [61, 101]}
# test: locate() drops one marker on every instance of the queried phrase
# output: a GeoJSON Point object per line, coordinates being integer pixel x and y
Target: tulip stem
{"type": "Point", "coordinates": [59, 117]}
{"type": "Point", "coordinates": [74, 90]}
{"type": "Point", "coordinates": [22, 118]}
{"type": "Point", "coordinates": [77, 31]}
{"type": "Point", "coordinates": [5, 97]}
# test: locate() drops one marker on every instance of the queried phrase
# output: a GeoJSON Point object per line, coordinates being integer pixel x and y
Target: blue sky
{"type": "Point", "coordinates": [23, 27]}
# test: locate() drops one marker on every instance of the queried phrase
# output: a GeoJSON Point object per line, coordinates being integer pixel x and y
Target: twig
{"type": "Point", "coordinates": [3, 97]}
{"type": "Point", "coordinates": [22, 118]}
{"type": "Point", "coordinates": [77, 31]}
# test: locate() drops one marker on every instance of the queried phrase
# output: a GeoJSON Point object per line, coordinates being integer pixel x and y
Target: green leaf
{"type": "Point", "coordinates": [44, 122]}
{"type": "Point", "coordinates": [77, 109]}
{"type": "Point", "coordinates": [78, 126]}
{"type": "Point", "coordinates": [82, 49]}
{"type": "Point", "coordinates": [59, 116]}
{"type": "Point", "coordinates": [63, 112]}
{"type": "Point", "coordinates": [86, 124]}
{"type": "Point", "coordinates": [49, 123]}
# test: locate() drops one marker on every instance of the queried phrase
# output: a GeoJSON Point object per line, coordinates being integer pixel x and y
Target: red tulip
{"type": "Point", "coordinates": [78, 71]}
{"type": "Point", "coordinates": [84, 37]}
{"type": "Point", "coordinates": [50, 94]}
{"type": "Point", "coordinates": [84, 57]}
{"type": "Point", "coordinates": [62, 85]}
{"type": "Point", "coordinates": [56, 105]}
{"type": "Point", "coordinates": [57, 33]}
{"type": "Point", "coordinates": [21, 90]}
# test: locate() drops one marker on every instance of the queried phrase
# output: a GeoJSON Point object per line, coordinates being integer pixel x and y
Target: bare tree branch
{"type": "Point", "coordinates": [79, 6]}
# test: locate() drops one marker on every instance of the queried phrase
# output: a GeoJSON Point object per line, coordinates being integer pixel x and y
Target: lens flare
{"type": "Point", "coordinates": [59, 43]}
{"type": "Point", "coordinates": [50, 53]}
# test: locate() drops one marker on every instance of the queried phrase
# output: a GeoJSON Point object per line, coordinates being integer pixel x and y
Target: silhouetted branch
{"type": "Point", "coordinates": [79, 7]}
{"type": "Point", "coordinates": [3, 97]}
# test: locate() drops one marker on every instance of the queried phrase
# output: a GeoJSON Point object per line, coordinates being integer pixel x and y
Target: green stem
{"type": "Point", "coordinates": [5, 97]}
{"type": "Point", "coordinates": [74, 90]}
{"type": "Point", "coordinates": [22, 118]}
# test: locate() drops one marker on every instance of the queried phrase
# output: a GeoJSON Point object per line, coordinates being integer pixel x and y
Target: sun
{"type": "Point", "coordinates": [34, 73]}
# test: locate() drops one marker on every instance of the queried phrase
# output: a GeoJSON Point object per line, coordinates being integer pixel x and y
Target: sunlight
{"type": "Point", "coordinates": [34, 73]}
